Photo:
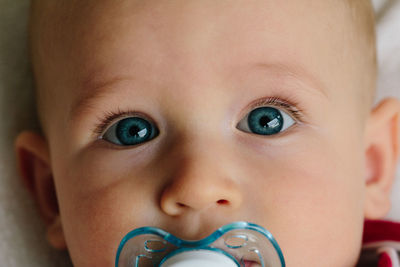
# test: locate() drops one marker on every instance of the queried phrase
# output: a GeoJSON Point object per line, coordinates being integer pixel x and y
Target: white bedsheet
{"type": "Point", "coordinates": [22, 240]}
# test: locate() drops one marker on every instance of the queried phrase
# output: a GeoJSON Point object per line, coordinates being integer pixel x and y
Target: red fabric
{"type": "Point", "coordinates": [384, 261]}
{"type": "Point", "coordinates": [375, 231]}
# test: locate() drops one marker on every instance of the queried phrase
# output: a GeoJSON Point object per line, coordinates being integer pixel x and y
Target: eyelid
{"type": "Point", "coordinates": [109, 117]}
{"type": "Point", "coordinates": [287, 105]}
{"type": "Point", "coordinates": [112, 116]}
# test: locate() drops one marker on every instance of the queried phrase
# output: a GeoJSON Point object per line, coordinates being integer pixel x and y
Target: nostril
{"type": "Point", "coordinates": [222, 202]}
{"type": "Point", "coordinates": [181, 205]}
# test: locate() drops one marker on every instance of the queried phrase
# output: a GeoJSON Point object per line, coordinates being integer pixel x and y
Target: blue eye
{"type": "Point", "coordinates": [130, 131]}
{"type": "Point", "coordinates": [266, 121]}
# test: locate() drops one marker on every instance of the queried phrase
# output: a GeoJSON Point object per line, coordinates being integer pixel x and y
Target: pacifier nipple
{"type": "Point", "coordinates": [199, 258]}
{"type": "Point", "coordinates": [238, 244]}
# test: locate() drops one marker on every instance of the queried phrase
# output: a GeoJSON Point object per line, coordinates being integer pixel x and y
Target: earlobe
{"type": "Point", "coordinates": [55, 234]}
{"type": "Point", "coordinates": [34, 165]}
{"type": "Point", "coordinates": [381, 154]}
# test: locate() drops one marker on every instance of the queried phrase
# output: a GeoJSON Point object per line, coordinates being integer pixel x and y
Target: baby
{"type": "Point", "coordinates": [187, 115]}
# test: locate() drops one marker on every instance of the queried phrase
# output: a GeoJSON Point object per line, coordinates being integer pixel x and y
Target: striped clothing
{"type": "Point", "coordinates": [381, 244]}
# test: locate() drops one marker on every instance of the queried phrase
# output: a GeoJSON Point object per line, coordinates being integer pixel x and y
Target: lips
{"type": "Point", "coordinates": [251, 264]}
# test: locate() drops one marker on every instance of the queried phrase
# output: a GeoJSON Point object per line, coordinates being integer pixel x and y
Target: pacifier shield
{"type": "Point", "coordinates": [231, 245]}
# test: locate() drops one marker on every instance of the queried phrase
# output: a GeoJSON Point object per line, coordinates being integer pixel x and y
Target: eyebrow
{"type": "Point", "coordinates": [92, 92]}
{"type": "Point", "coordinates": [298, 72]}
{"type": "Point", "coordinates": [95, 90]}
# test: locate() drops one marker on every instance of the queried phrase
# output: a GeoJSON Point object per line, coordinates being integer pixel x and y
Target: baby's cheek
{"type": "Point", "coordinates": [319, 206]}
{"type": "Point", "coordinates": [95, 224]}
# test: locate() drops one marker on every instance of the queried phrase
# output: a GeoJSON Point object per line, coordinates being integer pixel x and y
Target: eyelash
{"type": "Point", "coordinates": [290, 106]}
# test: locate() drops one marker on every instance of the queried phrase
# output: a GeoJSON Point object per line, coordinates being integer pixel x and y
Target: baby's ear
{"type": "Point", "coordinates": [34, 165]}
{"type": "Point", "coordinates": [382, 150]}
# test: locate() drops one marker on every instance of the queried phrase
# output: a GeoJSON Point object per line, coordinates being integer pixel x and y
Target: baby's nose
{"type": "Point", "coordinates": [198, 187]}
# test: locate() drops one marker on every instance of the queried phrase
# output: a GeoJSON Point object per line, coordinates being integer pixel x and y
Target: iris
{"type": "Point", "coordinates": [265, 121]}
{"type": "Point", "coordinates": [130, 131]}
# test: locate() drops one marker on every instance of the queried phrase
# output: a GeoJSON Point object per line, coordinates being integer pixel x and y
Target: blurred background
{"type": "Point", "coordinates": [22, 234]}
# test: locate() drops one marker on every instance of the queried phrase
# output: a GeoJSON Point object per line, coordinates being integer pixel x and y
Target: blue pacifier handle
{"type": "Point", "coordinates": [239, 241]}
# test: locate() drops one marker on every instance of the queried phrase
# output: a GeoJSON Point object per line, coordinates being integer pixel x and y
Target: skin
{"type": "Point", "coordinates": [193, 68]}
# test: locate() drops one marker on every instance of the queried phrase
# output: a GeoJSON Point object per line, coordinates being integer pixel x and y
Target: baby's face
{"type": "Point", "coordinates": [188, 115]}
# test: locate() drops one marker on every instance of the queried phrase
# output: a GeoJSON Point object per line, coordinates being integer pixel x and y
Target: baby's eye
{"type": "Point", "coordinates": [130, 131]}
{"type": "Point", "coordinates": [265, 121]}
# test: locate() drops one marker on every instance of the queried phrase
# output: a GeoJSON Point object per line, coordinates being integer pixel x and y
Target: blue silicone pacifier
{"type": "Point", "coordinates": [239, 244]}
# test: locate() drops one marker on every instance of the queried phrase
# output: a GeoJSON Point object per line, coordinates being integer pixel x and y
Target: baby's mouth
{"type": "Point", "coordinates": [251, 264]}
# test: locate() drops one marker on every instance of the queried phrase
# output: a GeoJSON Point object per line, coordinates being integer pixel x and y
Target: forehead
{"type": "Point", "coordinates": [191, 41]}
{"type": "Point", "coordinates": [189, 30]}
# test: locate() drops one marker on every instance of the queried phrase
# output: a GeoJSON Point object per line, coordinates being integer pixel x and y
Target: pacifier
{"type": "Point", "coordinates": [238, 244]}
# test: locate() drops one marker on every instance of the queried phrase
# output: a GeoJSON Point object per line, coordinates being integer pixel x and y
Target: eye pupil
{"type": "Point", "coordinates": [264, 121]}
{"type": "Point", "coordinates": [134, 130]}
